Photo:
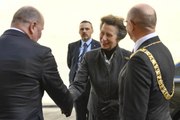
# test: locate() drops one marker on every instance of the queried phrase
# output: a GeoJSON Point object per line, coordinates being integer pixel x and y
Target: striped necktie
{"type": "Point", "coordinates": [85, 46]}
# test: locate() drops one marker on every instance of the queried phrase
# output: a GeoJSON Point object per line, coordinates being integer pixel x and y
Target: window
{"type": "Point", "coordinates": [177, 70]}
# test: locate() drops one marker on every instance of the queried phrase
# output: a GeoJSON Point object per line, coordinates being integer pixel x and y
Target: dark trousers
{"type": "Point", "coordinates": [81, 105]}
{"type": "Point", "coordinates": [95, 117]}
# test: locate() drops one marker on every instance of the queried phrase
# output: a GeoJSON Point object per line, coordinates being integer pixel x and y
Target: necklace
{"type": "Point", "coordinates": [157, 70]}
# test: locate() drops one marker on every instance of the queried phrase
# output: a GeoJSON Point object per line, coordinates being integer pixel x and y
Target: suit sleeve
{"type": "Point", "coordinates": [136, 90]}
{"type": "Point", "coordinates": [54, 85]}
{"type": "Point", "coordinates": [81, 80]}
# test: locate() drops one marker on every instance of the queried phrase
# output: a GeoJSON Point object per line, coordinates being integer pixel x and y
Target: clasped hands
{"type": "Point", "coordinates": [110, 107]}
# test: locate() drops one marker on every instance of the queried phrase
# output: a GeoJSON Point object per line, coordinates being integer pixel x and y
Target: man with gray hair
{"type": "Point", "coordinates": [27, 69]}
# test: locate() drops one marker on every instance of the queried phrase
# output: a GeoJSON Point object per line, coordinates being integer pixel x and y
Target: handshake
{"type": "Point", "coordinates": [67, 114]}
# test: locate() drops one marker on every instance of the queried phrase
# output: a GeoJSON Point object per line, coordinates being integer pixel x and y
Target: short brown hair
{"type": "Point", "coordinates": [115, 21]}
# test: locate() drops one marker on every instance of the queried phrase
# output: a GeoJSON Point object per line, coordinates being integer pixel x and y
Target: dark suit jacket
{"type": "Point", "coordinates": [103, 79]}
{"type": "Point", "coordinates": [140, 96]}
{"type": "Point", "coordinates": [26, 70]}
{"type": "Point", "coordinates": [72, 57]}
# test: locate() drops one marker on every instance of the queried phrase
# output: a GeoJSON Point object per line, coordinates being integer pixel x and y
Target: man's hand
{"type": "Point", "coordinates": [67, 114]}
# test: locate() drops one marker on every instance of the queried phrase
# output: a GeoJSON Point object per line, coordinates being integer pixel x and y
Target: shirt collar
{"type": "Point", "coordinates": [88, 42]}
{"type": "Point", "coordinates": [143, 39]}
{"type": "Point", "coordinates": [13, 28]}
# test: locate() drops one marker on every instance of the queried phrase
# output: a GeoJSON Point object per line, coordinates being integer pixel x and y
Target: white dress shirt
{"type": "Point", "coordinates": [142, 40]}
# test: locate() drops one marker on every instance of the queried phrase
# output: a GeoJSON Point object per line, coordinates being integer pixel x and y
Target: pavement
{"type": "Point", "coordinates": [54, 113]}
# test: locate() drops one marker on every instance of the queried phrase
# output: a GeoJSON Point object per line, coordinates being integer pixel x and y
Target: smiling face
{"type": "Point", "coordinates": [85, 31]}
{"type": "Point", "coordinates": [108, 36]}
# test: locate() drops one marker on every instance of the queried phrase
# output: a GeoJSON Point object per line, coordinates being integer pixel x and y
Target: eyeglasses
{"type": "Point", "coordinates": [125, 22]}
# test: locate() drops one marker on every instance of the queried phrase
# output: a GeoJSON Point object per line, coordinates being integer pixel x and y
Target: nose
{"type": "Point", "coordinates": [103, 37]}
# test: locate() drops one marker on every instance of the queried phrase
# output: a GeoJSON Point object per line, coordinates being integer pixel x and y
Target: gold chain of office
{"type": "Point", "coordinates": [160, 82]}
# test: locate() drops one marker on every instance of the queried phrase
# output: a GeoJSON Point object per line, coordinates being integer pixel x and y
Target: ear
{"type": "Point", "coordinates": [32, 27]}
{"type": "Point", "coordinates": [131, 25]}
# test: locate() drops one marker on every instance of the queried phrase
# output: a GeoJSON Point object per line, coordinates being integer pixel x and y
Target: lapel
{"type": "Point", "coordinates": [116, 61]}
{"type": "Point", "coordinates": [93, 45]}
{"type": "Point", "coordinates": [76, 50]}
{"type": "Point", "coordinates": [77, 46]}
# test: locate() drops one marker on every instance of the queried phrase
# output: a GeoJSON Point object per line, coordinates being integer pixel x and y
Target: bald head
{"type": "Point", "coordinates": [29, 20]}
{"type": "Point", "coordinates": [143, 15]}
{"type": "Point", "coordinates": [26, 14]}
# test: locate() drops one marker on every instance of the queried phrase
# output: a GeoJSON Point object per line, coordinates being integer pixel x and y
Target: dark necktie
{"type": "Point", "coordinates": [85, 46]}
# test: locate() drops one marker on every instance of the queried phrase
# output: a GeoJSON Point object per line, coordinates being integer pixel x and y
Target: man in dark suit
{"type": "Point", "coordinates": [102, 66]}
{"type": "Point", "coordinates": [76, 52]}
{"type": "Point", "coordinates": [146, 81]}
{"type": "Point", "coordinates": [27, 69]}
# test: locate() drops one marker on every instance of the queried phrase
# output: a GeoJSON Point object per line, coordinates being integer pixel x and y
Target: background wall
{"type": "Point", "coordinates": [62, 18]}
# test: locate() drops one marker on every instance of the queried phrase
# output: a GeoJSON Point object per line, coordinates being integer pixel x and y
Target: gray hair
{"type": "Point", "coordinates": [27, 14]}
